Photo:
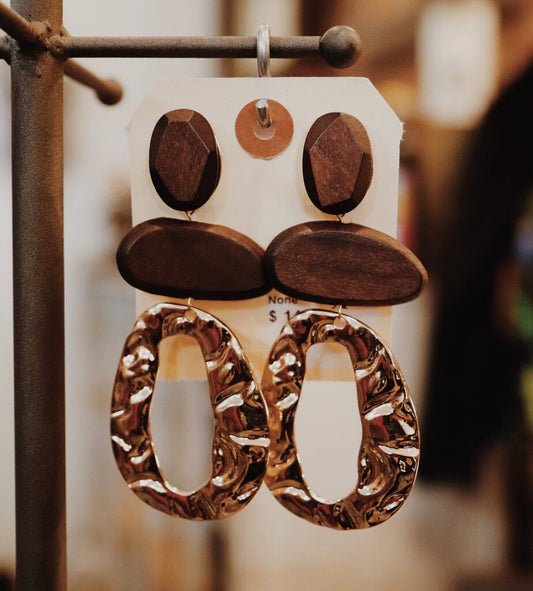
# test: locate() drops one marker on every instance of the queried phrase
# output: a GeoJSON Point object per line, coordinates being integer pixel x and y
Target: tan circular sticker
{"type": "Point", "coordinates": [264, 142]}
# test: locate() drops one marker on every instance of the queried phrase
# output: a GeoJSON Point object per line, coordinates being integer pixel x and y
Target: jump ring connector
{"type": "Point", "coordinates": [190, 312]}
{"type": "Point", "coordinates": [340, 321]}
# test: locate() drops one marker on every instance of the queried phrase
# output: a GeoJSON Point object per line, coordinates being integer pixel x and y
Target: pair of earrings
{"type": "Point", "coordinates": [184, 159]}
{"type": "Point", "coordinates": [324, 261]}
{"type": "Point", "coordinates": [327, 262]}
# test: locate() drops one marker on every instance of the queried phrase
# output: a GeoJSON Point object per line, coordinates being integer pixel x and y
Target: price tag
{"type": "Point", "coordinates": [261, 197]}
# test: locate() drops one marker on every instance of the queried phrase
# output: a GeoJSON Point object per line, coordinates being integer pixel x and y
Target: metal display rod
{"type": "Point", "coordinates": [37, 51]}
{"type": "Point", "coordinates": [339, 47]}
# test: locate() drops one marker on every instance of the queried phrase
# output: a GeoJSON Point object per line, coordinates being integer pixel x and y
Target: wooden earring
{"type": "Point", "coordinates": [335, 263]}
{"type": "Point", "coordinates": [388, 457]}
{"type": "Point", "coordinates": [178, 258]}
{"type": "Point", "coordinates": [182, 259]}
{"type": "Point", "coordinates": [337, 163]}
{"type": "Point", "coordinates": [184, 160]}
{"type": "Point", "coordinates": [187, 259]}
{"type": "Point", "coordinates": [173, 257]}
{"type": "Point", "coordinates": [341, 264]}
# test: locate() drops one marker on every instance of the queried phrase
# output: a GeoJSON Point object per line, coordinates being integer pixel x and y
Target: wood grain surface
{"type": "Point", "coordinates": [184, 159]}
{"type": "Point", "coordinates": [335, 263]}
{"type": "Point", "coordinates": [183, 259]}
{"type": "Point", "coordinates": [337, 163]}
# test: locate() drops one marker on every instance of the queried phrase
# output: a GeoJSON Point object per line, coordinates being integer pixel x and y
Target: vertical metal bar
{"type": "Point", "coordinates": [37, 138]}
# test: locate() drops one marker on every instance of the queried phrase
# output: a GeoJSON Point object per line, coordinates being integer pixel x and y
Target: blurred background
{"type": "Point", "coordinates": [459, 74]}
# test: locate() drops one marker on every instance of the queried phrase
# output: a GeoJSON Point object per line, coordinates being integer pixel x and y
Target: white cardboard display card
{"type": "Point", "coordinates": [260, 198]}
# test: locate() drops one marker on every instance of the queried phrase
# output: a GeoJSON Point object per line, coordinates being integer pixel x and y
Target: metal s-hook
{"type": "Point", "coordinates": [263, 69]}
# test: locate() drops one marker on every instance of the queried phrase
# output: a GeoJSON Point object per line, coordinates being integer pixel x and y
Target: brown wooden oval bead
{"type": "Point", "coordinates": [182, 259]}
{"type": "Point", "coordinates": [184, 159]}
{"type": "Point", "coordinates": [334, 263]}
{"type": "Point", "coordinates": [337, 163]}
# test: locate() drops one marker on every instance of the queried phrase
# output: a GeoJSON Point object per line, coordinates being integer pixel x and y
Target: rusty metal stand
{"type": "Point", "coordinates": [37, 48]}
{"type": "Point", "coordinates": [37, 148]}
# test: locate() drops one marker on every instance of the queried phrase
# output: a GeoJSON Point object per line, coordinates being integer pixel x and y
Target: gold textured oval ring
{"type": "Point", "coordinates": [240, 442]}
{"type": "Point", "coordinates": [388, 457]}
{"type": "Point", "coordinates": [264, 144]}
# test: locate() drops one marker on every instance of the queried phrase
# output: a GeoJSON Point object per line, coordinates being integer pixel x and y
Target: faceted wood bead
{"type": "Point", "coordinates": [184, 159]}
{"type": "Point", "coordinates": [337, 163]}
{"type": "Point", "coordinates": [183, 259]}
{"type": "Point", "coordinates": [334, 263]}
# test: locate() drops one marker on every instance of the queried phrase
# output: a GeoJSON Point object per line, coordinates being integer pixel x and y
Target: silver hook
{"type": "Point", "coordinates": [263, 51]}
{"type": "Point", "coordinates": [263, 69]}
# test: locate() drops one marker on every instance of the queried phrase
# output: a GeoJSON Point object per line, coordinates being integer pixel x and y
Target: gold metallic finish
{"type": "Point", "coordinates": [240, 441]}
{"type": "Point", "coordinates": [388, 456]}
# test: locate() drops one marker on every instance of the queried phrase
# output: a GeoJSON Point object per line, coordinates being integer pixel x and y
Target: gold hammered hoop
{"type": "Point", "coordinates": [240, 442]}
{"type": "Point", "coordinates": [388, 457]}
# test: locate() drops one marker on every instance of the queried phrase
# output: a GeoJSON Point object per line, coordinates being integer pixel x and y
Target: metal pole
{"type": "Point", "coordinates": [233, 47]}
{"type": "Point", "coordinates": [108, 91]}
{"type": "Point", "coordinates": [340, 47]}
{"type": "Point", "coordinates": [5, 48]}
{"type": "Point", "coordinates": [37, 137]}
{"type": "Point", "coordinates": [17, 26]}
